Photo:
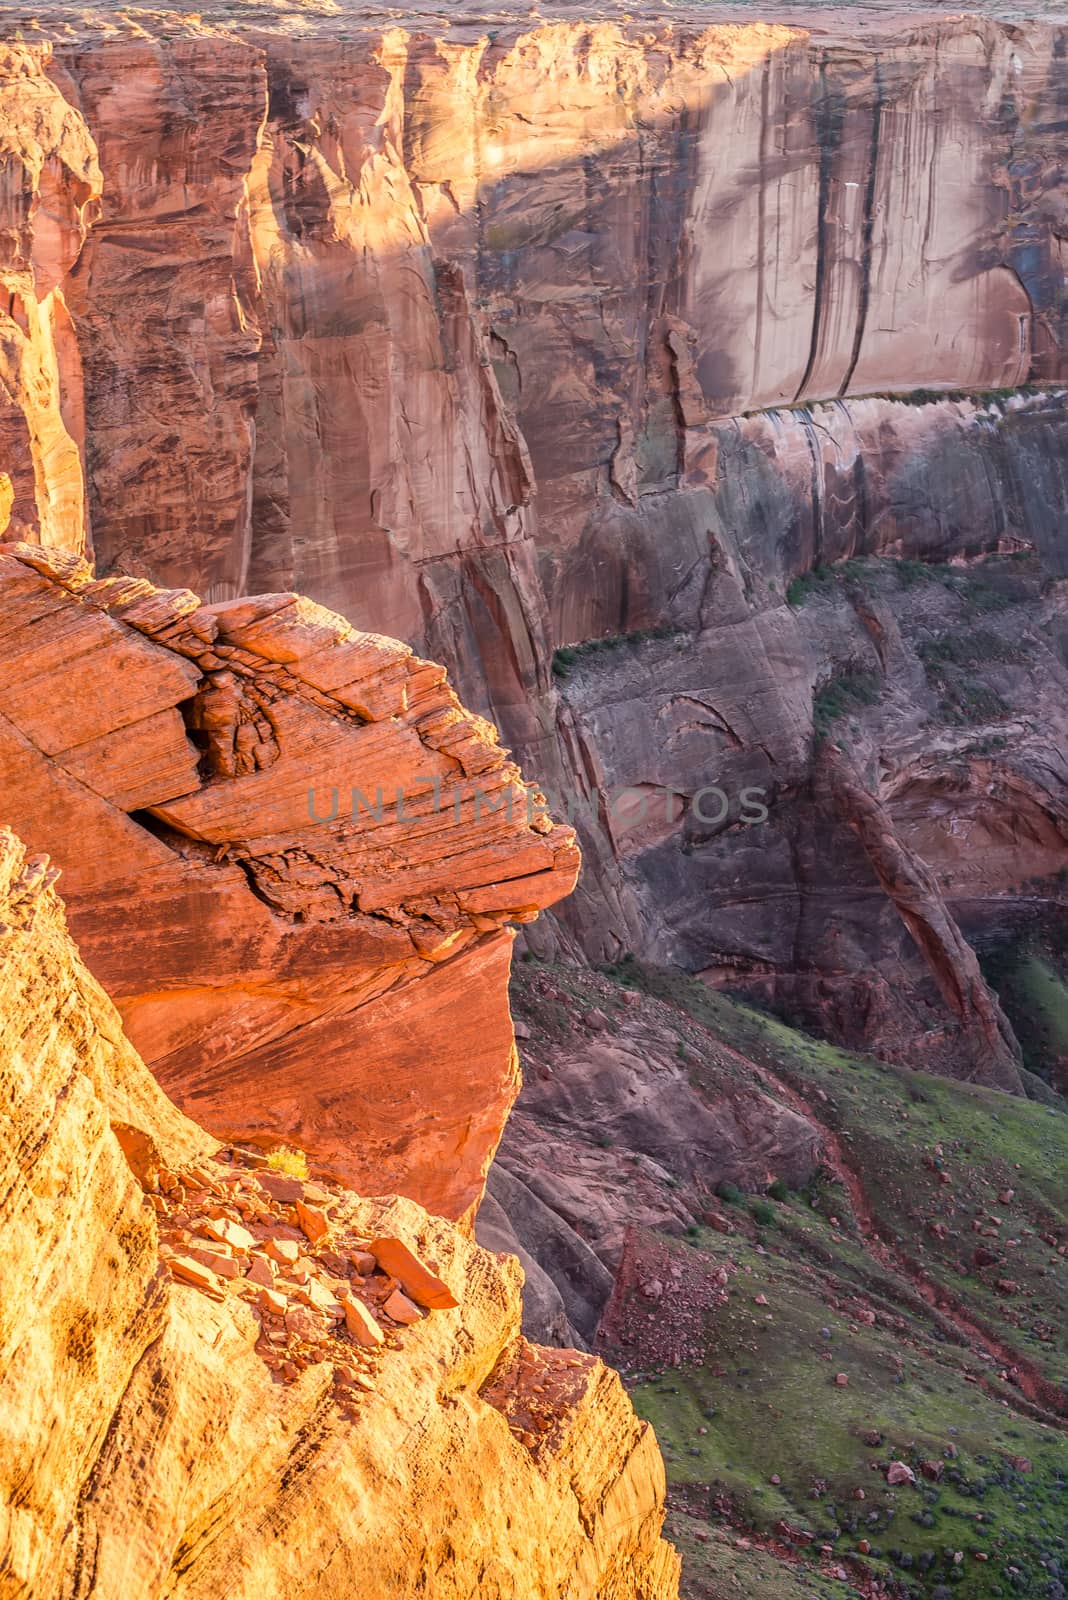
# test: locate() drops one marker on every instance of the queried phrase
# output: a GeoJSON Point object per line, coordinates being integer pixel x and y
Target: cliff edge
{"type": "Point", "coordinates": [290, 857]}
{"type": "Point", "coordinates": [216, 1379]}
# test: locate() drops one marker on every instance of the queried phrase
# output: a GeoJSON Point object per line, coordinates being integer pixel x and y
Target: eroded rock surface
{"type": "Point", "coordinates": [185, 1411]}
{"type": "Point", "coordinates": [288, 959]}
{"type": "Point", "coordinates": [358, 345]}
{"type": "Point", "coordinates": [630, 1119]}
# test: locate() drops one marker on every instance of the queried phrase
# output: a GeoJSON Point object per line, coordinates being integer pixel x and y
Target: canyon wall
{"type": "Point", "coordinates": [420, 321]}
{"type": "Point", "coordinates": [290, 856]}
{"type": "Point", "coordinates": [209, 1386]}
{"type": "Point", "coordinates": [509, 336]}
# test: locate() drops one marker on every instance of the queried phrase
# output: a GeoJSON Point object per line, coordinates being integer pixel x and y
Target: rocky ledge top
{"type": "Point", "coordinates": [350, 19]}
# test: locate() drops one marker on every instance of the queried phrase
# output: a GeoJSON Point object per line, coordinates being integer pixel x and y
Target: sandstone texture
{"type": "Point", "coordinates": [357, 345]}
{"type": "Point", "coordinates": [290, 962]}
{"type": "Point", "coordinates": [563, 348]}
{"type": "Point", "coordinates": [694, 388]}
{"type": "Point", "coordinates": [174, 1426]}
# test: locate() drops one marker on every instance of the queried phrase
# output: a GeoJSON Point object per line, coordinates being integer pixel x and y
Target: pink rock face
{"type": "Point", "coordinates": [338, 983]}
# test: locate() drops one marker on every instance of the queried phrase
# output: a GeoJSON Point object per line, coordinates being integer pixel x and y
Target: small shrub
{"type": "Point", "coordinates": [564, 658]}
{"type": "Point", "coordinates": [729, 1192]}
{"type": "Point", "coordinates": [762, 1213]}
{"type": "Point", "coordinates": [800, 588]}
{"type": "Point", "coordinates": [841, 695]}
{"type": "Point", "coordinates": [976, 648]}
{"type": "Point", "coordinates": [983, 596]}
{"type": "Point", "coordinates": [778, 1190]}
{"type": "Point", "coordinates": [292, 1162]}
{"type": "Point", "coordinates": [950, 662]}
{"type": "Point", "coordinates": [911, 572]}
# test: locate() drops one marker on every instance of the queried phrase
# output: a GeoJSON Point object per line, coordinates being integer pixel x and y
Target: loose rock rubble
{"type": "Point", "coordinates": [534, 1388]}
{"type": "Point", "coordinates": [321, 1292]}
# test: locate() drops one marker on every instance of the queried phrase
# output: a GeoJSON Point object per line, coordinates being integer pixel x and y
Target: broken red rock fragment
{"type": "Point", "coordinates": [261, 1272]}
{"type": "Point", "coordinates": [282, 1189]}
{"type": "Point", "coordinates": [313, 1222]}
{"type": "Point", "coordinates": [223, 1265]}
{"type": "Point", "coordinates": [401, 1309]}
{"type": "Point", "coordinates": [196, 1274]}
{"type": "Point", "coordinates": [285, 1251]}
{"type": "Point", "coordinates": [419, 1283]}
{"type": "Point", "coordinates": [226, 1232]}
{"type": "Point", "coordinates": [317, 1295]}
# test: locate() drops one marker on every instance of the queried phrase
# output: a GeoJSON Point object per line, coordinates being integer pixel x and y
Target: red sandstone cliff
{"type": "Point", "coordinates": [289, 854]}
{"type": "Point", "coordinates": [347, 296]}
{"type": "Point", "coordinates": [215, 1380]}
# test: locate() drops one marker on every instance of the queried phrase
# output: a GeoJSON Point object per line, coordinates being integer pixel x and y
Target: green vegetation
{"type": "Point", "coordinates": [921, 397]}
{"type": "Point", "coordinates": [719, 1562]}
{"type": "Point", "coordinates": [825, 580]}
{"type": "Point", "coordinates": [1032, 989]}
{"type": "Point", "coordinates": [569, 655]}
{"type": "Point", "coordinates": [951, 661]}
{"type": "Point", "coordinates": [1046, 994]}
{"type": "Point", "coordinates": [964, 649]}
{"type": "Point", "coordinates": [947, 1169]}
{"type": "Point", "coordinates": [799, 589]}
{"type": "Point", "coordinates": [865, 572]}
{"type": "Point", "coordinates": [926, 397]}
{"type": "Point", "coordinates": [841, 696]}
{"type": "Point", "coordinates": [767, 1398]}
{"type": "Point", "coordinates": [987, 585]}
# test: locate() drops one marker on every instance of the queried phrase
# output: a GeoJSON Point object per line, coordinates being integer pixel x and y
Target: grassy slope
{"type": "Point", "coordinates": [1035, 997]}
{"type": "Point", "coordinates": [766, 1394]}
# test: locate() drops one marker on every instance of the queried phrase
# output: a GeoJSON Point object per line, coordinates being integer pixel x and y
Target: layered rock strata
{"type": "Point", "coordinates": [219, 1380]}
{"type": "Point", "coordinates": [290, 855]}
{"type": "Point", "coordinates": [356, 346]}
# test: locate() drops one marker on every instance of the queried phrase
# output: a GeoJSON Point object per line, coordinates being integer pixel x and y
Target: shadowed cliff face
{"type": "Point", "coordinates": [505, 338]}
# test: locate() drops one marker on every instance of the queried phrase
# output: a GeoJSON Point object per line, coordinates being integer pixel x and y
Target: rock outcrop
{"type": "Point", "coordinates": [290, 856]}
{"type": "Point", "coordinates": [186, 1408]}
{"type": "Point", "coordinates": [51, 185]}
